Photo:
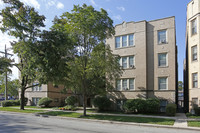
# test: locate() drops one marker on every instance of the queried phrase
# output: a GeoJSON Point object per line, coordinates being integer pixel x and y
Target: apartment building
{"type": "Point", "coordinates": [192, 63]}
{"type": "Point", "coordinates": [34, 94]}
{"type": "Point", "coordinates": [149, 59]}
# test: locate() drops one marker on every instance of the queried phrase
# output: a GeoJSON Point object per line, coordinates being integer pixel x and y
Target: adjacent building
{"type": "Point", "coordinates": [34, 94]}
{"type": "Point", "coordinates": [149, 59]}
{"type": "Point", "coordinates": [192, 63]}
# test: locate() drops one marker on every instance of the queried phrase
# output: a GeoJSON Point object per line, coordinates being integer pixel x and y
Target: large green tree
{"type": "Point", "coordinates": [93, 66]}
{"type": "Point", "coordinates": [5, 65]}
{"type": "Point", "coordinates": [24, 23]}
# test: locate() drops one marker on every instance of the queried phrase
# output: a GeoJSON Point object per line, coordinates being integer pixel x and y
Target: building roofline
{"type": "Point", "coordinates": [190, 2]}
{"type": "Point", "coordinates": [145, 20]}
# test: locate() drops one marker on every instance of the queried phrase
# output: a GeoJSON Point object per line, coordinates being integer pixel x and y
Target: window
{"type": "Point", "coordinates": [194, 53]}
{"type": "Point", "coordinates": [162, 59]}
{"type": "Point", "coordinates": [130, 38]}
{"type": "Point", "coordinates": [117, 42]}
{"type": "Point", "coordinates": [162, 38]}
{"type": "Point", "coordinates": [118, 86]}
{"type": "Point", "coordinates": [194, 80]}
{"type": "Point", "coordinates": [127, 62]}
{"type": "Point", "coordinates": [124, 41]}
{"type": "Point", "coordinates": [36, 88]}
{"type": "Point", "coordinates": [124, 62]}
{"type": "Point", "coordinates": [125, 84]}
{"type": "Point", "coordinates": [162, 83]}
{"type": "Point", "coordinates": [194, 26]}
{"type": "Point", "coordinates": [127, 40]}
{"type": "Point", "coordinates": [163, 104]}
{"type": "Point", "coordinates": [35, 101]}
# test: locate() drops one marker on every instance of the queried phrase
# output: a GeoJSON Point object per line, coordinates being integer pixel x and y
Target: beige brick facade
{"type": "Point", "coordinates": [146, 49]}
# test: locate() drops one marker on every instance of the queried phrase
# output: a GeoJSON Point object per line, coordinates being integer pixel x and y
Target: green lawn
{"type": "Point", "coordinates": [194, 123]}
{"type": "Point", "coordinates": [194, 117]}
{"type": "Point", "coordinates": [159, 121]}
{"type": "Point", "coordinates": [34, 107]}
{"type": "Point", "coordinates": [18, 110]}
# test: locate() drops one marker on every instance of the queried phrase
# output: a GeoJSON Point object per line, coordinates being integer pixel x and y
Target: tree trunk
{"type": "Point", "coordinates": [22, 100]}
{"type": "Point", "coordinates": [84, 105]}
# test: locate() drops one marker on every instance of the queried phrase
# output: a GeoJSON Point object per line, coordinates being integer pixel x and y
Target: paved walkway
{"type": "Point", "coordinates": [181, 120]}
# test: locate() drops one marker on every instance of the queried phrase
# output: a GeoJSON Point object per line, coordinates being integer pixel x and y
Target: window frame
{"type": "Point", "coordinates": [166, 64]}
{"type": "Point", "coordinates": [194, 32]}
{"type": "Point", "coordinates": [121, 41]}
{"type": "Point", "coordinates": [127, 88]}
{"type": "Point", "coordinates": [128, 61]}
{"type": "Point", "coordinates": [193, 54]}
{"type": "Point", "coordinates": [166, 40]}
{"type": "Point", "coordinates": [194, 81]}
{"type": "Point", "coordinates": [165, 83]}
{"type": "Point", "coordinates": [36, 88]}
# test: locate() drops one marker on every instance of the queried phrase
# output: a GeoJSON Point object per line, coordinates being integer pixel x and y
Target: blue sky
{"type": "Point", "coordinates": [119, 11]}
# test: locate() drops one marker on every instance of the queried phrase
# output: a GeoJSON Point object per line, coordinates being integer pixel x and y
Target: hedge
{"type": "Point", "coordinates": [10, 103]}
{"type": "Point", "coordinates": [102, 103]}
{"type": "Point", "coordinates": [171, 109]}
{"type": "Point", "coordinates": [44, 102]}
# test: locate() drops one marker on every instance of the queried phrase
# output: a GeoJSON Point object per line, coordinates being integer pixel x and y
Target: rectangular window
{"type": "Point", "coordinates": [162, 37]}
{"type": "Point", "coordinates": [131, 43]}
{"type": "Point", "coordinates": [118, 85]}
{"type": "Point", "coordinates": [127, 84]}
{"type": "Point", "coordinates": [124, 41]}
{"type": "Point", "coordinates": [194, 26]}
{"type": "Point", "coordinates": [194, 53]}
{"type": "Point", "coordinates": [124, 84]}
{"type": "Point", "coordinates": [163, 104]}
{"type": "Point", "coordinates": [131, 61]}
{"type": "Point", "coordinates": [117, 42]}
{"type": "Point", "coordinates": [35, 101]}
{"type": "Point", "coordinates": [162, 83]}
{"type": "Point", "coordinates": [131, 84]}
{"type": "Point", "coordinates": [162, 59]}
{"type": "Point", "coordinates": [195, 80]}
{"type": "Point", "coordinates": [124, 62]}
{"type": "Point", "coordinates": [36, 88]}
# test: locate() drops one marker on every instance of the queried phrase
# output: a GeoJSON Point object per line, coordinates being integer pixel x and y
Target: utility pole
{"type": "Point", "coordinates": [6, 74]}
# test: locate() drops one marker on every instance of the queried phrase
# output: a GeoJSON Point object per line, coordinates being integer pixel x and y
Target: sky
{"type": "Point", "coordinates": [119, 11]}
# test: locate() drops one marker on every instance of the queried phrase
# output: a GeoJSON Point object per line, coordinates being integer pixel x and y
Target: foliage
{"type": "Point", "coordinates": [171, 109]}
{"type": "Point", "coordinates": [197, 111]}
{"type": "Point", "coordinates": [180, 85]}
{"type": "Point", "coordinates": [69, 107]}
{"type": "Point", "coordinates": [10, 103]}
{"type": "Point", "coordinates": [152, 105]}
{"type": "Point", "coordinates": [44, 102]}
{"type": "Point", "coordinates": [25, 101]}
{"type": "Point", "coordinates": [194, 123]}
{"type": "Point", "coordinates": [71, 100]}
{"type": "Point", "coordinates": [23, 23]}
{"type": "Point", "coordinates": [93, 65]}
{"type": "Point", "coordinates": [12, 86]}
{"type": "Point", "coordinates": [102, 102]}
{"type": "Point", "coordinates": [5, 64]}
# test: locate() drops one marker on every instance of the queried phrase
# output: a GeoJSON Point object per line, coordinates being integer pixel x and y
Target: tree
{"type": "Point", "coordinates": [13, 86]}
{"type": "Point", "coordinates": [180, 85]}
{"type": "Point", "coordinates": [93, 66]}
{"type": "Point", "coordinates": [5, 64]}
{"type": "Point", "coordinates": [24, 23]}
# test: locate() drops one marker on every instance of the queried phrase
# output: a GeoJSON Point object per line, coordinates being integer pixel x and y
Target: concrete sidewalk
{"type": "Point", "coordinates": [181, 120]}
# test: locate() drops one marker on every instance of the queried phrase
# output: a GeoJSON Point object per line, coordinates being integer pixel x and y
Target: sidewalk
{"type": "Point", "coordinates": [181, 120]}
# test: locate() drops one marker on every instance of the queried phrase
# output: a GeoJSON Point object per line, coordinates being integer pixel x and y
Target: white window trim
{"type": "Point", "coordinates": [192, 26]}
{"type": "Point", "coordinates": [127, 60]}
{"type": "Point", "coordinates": [166, 84]}
{"type": "Point", "coordinates": [193, 80]}
{"type": "Point", "coordinates": [192, 52]}
{"type": "Point", "coordinates": [127, 41]}
{"type": "Point", "coordinates": [166, 59]}
{"type": "Point", "coordinates": [128, 84]}
{"type": "Point", "coordinates": [166, 36]}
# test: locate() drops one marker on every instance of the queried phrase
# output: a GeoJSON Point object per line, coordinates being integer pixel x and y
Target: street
{"type": "Point", "coordinates": [29, 123]}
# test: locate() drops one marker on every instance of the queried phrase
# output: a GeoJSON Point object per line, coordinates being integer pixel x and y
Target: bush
{"type": "Point", "coordinates": [68, 107]}
{"type": "Point", "coordinates": [135, 106]}
{"type": "Point", "coordinates": [102, 103]}
{"type": "Point", "coordinates": [171, 109]}
{"type": "Point", "coordinates": [197, 111]}
{"type": "Point", "coordinates": [10, 103]}
{"type": "Point", "coordinates": [44, 102]}
{"type": "Point", "coordinates": [152, 105]}
{"type": "Point", "coordinates": [71, 100]}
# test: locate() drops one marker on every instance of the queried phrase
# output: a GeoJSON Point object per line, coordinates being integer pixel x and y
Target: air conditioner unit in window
{"type": "Point", "coordinates": [163, 41]}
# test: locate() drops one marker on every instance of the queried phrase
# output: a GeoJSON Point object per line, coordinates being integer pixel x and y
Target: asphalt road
{"type": "Point", "coordinates": [29, 123]}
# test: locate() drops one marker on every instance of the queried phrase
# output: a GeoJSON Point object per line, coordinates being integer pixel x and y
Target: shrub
{"type": "Point", "coordinates": [152, 105]}
{"type": "Point", "coordinates": [135, 106]}
{"type": "Point", "coordinates": [44, 102]}
{"type": "Point", "coordinates": [171, 109]}
{"type": "Point", "coordinates": [197, 111]}
{"type": "Point", "coordinates": [68, 107]}
{"type": "Point", "coordinates": [71, 100]}
{"type": "Point", "coordinates": [102, 103]}
{"type": "Point", "coordinates": [10, 103]}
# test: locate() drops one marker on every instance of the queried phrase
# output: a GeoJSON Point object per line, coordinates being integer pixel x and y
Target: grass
{"type": "Point", "coordinates": [34, 107]}
{"type": "Point", "coordinates": [194, 123]}
{"type": "Point", "coordinates": [160, 121]}
{"type": "Point", "coordinates": [189, 115]}
{"type": "Point", "coordinates": [10, 109]}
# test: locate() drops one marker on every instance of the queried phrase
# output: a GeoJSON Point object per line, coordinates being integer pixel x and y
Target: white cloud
{"type": "Point", "coordinates": [59, 5]}
{"type": "Point", "coordinates": [1, 3]}
{"type": "Point", "coordinates": [93, 3]}
{"type": "Point", "coordinates": [121, 8]}
{"type": "Point", "coordinates": [33, 3]}
{"type": "Point", "coordinates": [117, 17]}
